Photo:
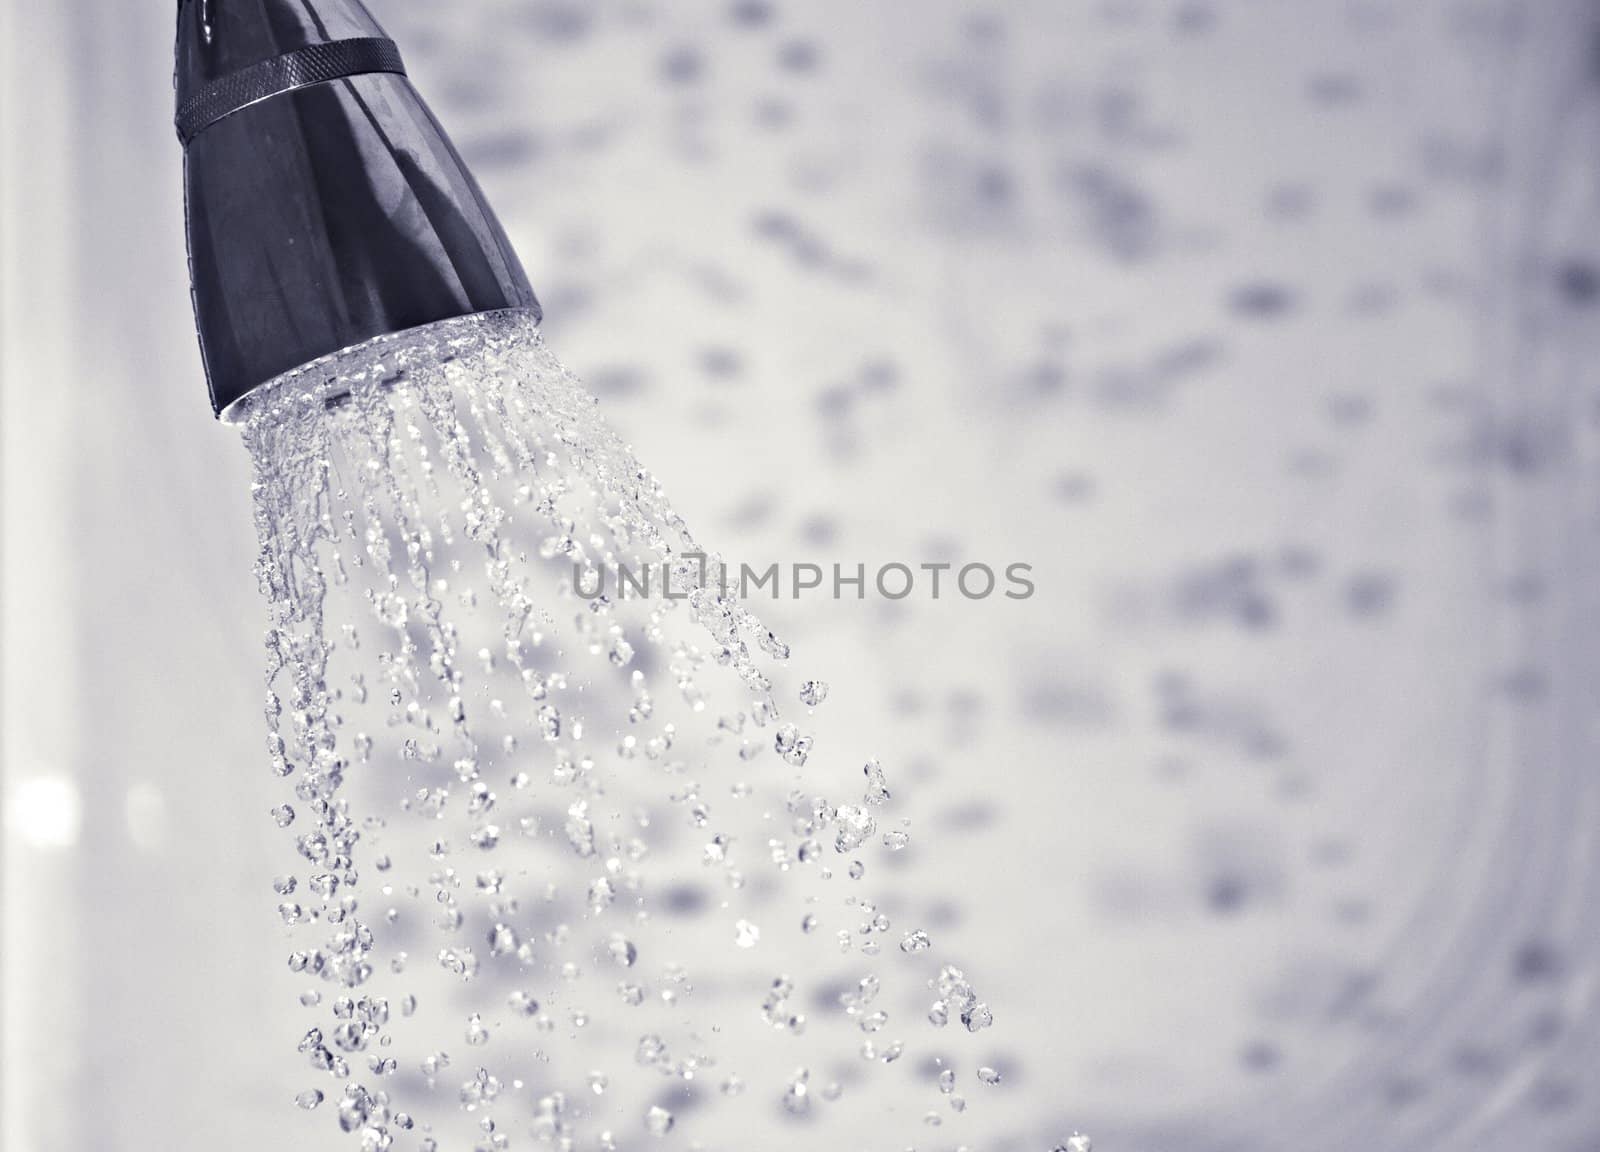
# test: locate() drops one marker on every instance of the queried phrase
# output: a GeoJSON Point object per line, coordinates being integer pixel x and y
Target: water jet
{"type": "Point", "coordinates": [499, 788]}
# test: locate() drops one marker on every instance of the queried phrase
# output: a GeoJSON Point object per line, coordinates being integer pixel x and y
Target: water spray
{"type": "Point", "coordinates": [561, 873]}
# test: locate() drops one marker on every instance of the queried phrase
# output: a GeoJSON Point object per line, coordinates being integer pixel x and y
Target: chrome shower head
{"type": "Point", "coordinates": [325, 204]}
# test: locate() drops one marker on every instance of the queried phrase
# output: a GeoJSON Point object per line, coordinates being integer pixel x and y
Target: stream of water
{"type": "Point", "coordinates": [565, 870]}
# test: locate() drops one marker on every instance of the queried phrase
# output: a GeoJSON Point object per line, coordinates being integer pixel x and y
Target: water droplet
{"type": "Point", "coordinates": [652, 1050]}
{"type": "Point", "coordinates": [793, 747]}
{"type": "Point", "coordinates": [977, 1017]}
{"type": "Point", "coordinates": [797, 1097]}
{"type": "Point", "coordinates": [658, 1121]}
{"type": "Point", "coordinates": [877, 784]}
{"type": "Point", "coordinates": [623, 953]}
{"type": "Point", "coordinates": [855, 825]}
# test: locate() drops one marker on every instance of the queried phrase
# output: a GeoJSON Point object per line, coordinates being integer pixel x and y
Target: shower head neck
{"type": "Point", "coordinates": [221, 38]}
{"type": "Point", "coordinates": [325, 205]}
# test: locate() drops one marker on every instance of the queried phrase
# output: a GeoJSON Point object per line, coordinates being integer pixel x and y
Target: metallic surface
{"type": "Point", "coordinates": [324, 215]}
{"type": "Point", "coordinates": [301, 68]}
{"type": "Point", "coordinates": [217, 38]}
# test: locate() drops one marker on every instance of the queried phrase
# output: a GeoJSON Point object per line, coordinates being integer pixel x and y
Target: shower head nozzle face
{"type": "Point", "coordinates": [326, 206]}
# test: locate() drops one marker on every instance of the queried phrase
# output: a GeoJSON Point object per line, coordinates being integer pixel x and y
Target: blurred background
{"type": "Point", "coordinates": [1263, 329]}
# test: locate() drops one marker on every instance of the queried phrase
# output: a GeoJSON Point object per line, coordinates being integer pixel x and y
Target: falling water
{"type": "Point", "coordinates": [565, 868]}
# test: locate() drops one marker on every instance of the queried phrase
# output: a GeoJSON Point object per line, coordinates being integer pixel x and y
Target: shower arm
{"type": "Point", "coordinates": [325, 206]}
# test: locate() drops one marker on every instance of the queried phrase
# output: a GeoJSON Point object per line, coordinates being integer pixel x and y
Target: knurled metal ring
{"type": "Point", "coordinates": [314, 64]}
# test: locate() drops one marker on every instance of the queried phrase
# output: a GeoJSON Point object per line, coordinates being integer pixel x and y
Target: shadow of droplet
{"type": "Point", "coordinates": [1260, 1056]}
{"type": "Point", "coordinates": [1537, 962]}
{"type": "Point", "coordinates": [683, 65]}
{"type": "Point", "coordinates": [752, 13]}
{"type": "Point", "coordinates": [1578, 281]}
{"type": "Point", "coordinates": [1262, 300]}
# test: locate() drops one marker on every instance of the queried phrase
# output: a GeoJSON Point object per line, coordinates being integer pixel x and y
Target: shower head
{"type": "Point", "coordinates": [325, 204]}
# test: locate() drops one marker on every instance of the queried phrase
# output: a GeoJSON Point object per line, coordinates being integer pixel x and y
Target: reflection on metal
{"type": "Point", "coordinates": [301, 68]}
